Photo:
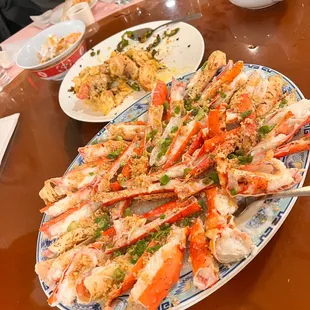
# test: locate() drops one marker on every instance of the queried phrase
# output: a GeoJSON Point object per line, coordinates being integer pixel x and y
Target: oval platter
{"type": "Point", "coordinates": [188, 43]}
{"type": "Point", "coordinates": [261, 221]}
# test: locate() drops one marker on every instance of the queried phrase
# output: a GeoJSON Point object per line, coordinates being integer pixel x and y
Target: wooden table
{"type": "Point", "coordinates": [46, 141]}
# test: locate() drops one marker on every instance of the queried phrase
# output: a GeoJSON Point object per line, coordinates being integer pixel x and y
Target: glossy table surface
{"type": "Point", "coordinates": [46, 141]}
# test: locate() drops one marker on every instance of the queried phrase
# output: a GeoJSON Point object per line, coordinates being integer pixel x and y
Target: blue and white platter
{"type": "Point", "coordinates": [261, 221]}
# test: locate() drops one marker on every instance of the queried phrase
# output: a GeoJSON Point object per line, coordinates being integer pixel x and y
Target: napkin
{"type": "Point", "coordinates": [42, 21]}
{"type": "Point", "coordinates": [7, 126]}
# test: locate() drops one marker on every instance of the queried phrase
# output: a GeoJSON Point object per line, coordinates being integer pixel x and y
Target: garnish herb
{"type": "Point", "coordinates": [151, 134]}
{"type": "Point", "coordinates": [127, 212]}
{"type": "Point", "coordinates": [164, 180]}
{"type": "Point", "coordinates": [228, 106]}
{"type": "Point", "coordinates": [166, 105]}
{"type": "Point", "coordinates": [92, 54]}
{"type": "Point", "coordinates": [154, 44]}
{"type": "Point", "coordinates": [117, 253]}
{"type": "Point", "coordinates": [202, 203]}
{"type": "Point", "coordinates": [197, 98]}
{"type": "Point", "coordinates": [135, 86]}
{"type": "Point", "coordinates": [200, 115]}
{"type": "Point", "coordinates": [145, 36]}
{"type": "Point", "coordinates": [195, 111]}
{"type": "Point", "coordinates": [123, 43]}
{"type": "Point", "coordinates": [150, 148]}
{"type": "Point", "coordinates": [204, 65]}
{"type": "Point", "coordinates": [73, 225]}
{"type": "Point", "coordinates": [114, 155]}
{"type": "Point", "coordinates": [164, 147]}
{"type": "Point", "coordinates": [174, 129]}
{"type": "Point", "coordinates": [177, 109]}
{"type": "Point", "coordinates": [118, 275]}
{"type": "Point", "coordinates": [247, 159]}
{"type": "Point", "coordinates": [91, 173]}
{"type": "Point", "coordinates": [153, 249]}
{"type": "Point", "coordinates": [162, 217]}
{"type": "Point", "coordinates": [119, 138]}
{"type": "Point", "coordinates": [187, 104]}
{"type": "Point", "coordinates": [171, 33]}
{"type": "Point", "coordinates": [206, 180]}
{"type": "Point", "coordinates": [98, 52]}
{"type": "Point", "coordinates": [246, 114]}
{"type": "Point", "coordinates": [222, 94]}
{"type": "Point", "coordinates": [137, 250]}
{"type": "Point", "coordinates": [71, 89]}
{"type": "Point", "coordinates": [233, 192]}
{"type": "Point", "coordinates": [262, 131]}
{"type": "Point", "coordinates": [213, 176]}
{"type": "Point", "coordinates": [283, 103]}
{"type": "Point", "coordinates": [187, 171]}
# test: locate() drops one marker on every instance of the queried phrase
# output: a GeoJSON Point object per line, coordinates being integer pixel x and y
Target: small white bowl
{"type": "Point", "coordinates": [254, 4]}
{"type": "Point", "coordinates": [27, 57]}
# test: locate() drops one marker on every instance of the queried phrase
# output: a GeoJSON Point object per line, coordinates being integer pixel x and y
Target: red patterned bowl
{"type": "Point", "coordinates": [55, 68]}
{"type": "Point", "coordinates": [58, 70]}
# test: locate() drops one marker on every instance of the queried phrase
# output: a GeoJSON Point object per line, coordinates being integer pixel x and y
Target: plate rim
{"type": "Point", "coordinates": [108, 119]}
{"type": "Point", "coordinates": [202, 294]}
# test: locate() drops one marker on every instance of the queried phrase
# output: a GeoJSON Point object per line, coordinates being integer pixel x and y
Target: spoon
{"type": "Point", "coordinates": [143, 34]}
{"type": "Point", "coordinates": [244, 204]}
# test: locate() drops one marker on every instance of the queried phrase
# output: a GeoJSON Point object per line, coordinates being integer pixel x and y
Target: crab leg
{"type": "Point", "coordinates": [281, 133]}
{"type": "Point", "coordinates": [78, 178]}
{"type": "Point", "coordinates": [103, 184]}
{"type": "Point", "coordinates": [94, 152]}
{"type": "Point", "coordinates": [177, 93]}
{"type": "Point", "coordinates": [205, 268]}
{"type": "Point", "coordinates": [180, 142]}
{"type": "Point", "coordinates": [118, 210]}
{"type": "Point", "coordinates": [269, 176]}
{"type": "Point", "coordinates": [126, 131]}
{"type": "Point", "coordinates": [132, 277]}
{"type": "Point", "coordinates": [64, 292]}
{"type": "Point", "coordinates": [184, 209]}
{"type": "Point", "coordinates": [156, 109]}
{"type": "Point", "coordinates": [161, 272]}
{"type": "Point", "coordinates": [296, 146]}
{"type": "Point", "coordinates": [225, 78]}
{"type": "Point", "coordinates": [60, 225]}
{"type": "Point", "coordinates": [216, 122]}
{"type": "Point", "coordinates": [191, 187]}
{"type": "Point", "coordinates": [68, 202]}
{"type": "Point", "coordinates": [202, 77]}
{"type": "Point", "coordinates": [112, 197]}
{"type": "Point", "coordinates": [228, 244]}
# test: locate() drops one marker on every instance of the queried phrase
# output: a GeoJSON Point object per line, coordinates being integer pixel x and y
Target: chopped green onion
{"type": "Point", "coordinates": [206, 181]}
{"type": "Point", "coordinates": [222, 94]}
{"type": "Point", "coordinates": [202, 203]}
{"type": "Point", "coordinates": [119, 138]}
{"type": "Point", "coordinates": [243, 160]}
{"type": "Point", "coordinates": [92, 54]}
{"type": "Point", "coordinates": [213, 176]}
{"type": "Point", "coordinates": [118, 275]}
{"type": "Point", "coordinates": [98, 52]}
{"type": "Point", "coordinates": [200, 115]}
{"type": "Point", "coordinates": [177, 109]}
{"type": "Point", "coordinates": [239, 153]}
{"type": "Point", "coordinates": [174, 129]}
{"type": "Point", "coordinates": [164, 180]}
{"type": "Point", "coordinates": [134, 86]}
{"type": "Point", "coordinates": [153, 249]}
{"type": "Point", "coordinates": [283, 103]}
{"type": "Point", "coordinates": [91, 173]}
{"type": "Point", "coordinates": [166, 105]}
{"type": "Point", "coordinates": [204, 65]}
{"type": "Point", "coordinates": [127, 212]}
{"type": "Point", "coordinates": [117, 253]}
{"type": "Point", "coordinates": [233, 192]}
{"type": "Point", "coordinates": [154, 44]}
{"type": "Point", "coordinates": [187, 171]}
{"type": "Point", "coordinates": [246, 114]}
{"type": "Point", "coordinates": [265, 130]}
{"type": "Point", "coordinates": [73, 225]}
{"type": "Point", "coordinates": [195, 111]}
{"type": "Point", "coordinates": [187, 104]}
{"type": "Point", "coordinates": [162, 217]}
{"type": "Point", "coordinates": [171, 33]}
{"type": "Point", "coordinates": [145, 36]}
{"type": "Point", "coordinates": [150, 148]}
{"type": "Point", "coordinates": [151, 134]}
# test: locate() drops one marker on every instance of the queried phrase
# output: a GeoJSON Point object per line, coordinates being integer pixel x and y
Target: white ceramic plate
{"type": "Point", "coordinates": [261, 221]}
{"type": "Point", "coordinates": [181, 55]}
{"type": "Point", "coordinates": [57, 13]}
